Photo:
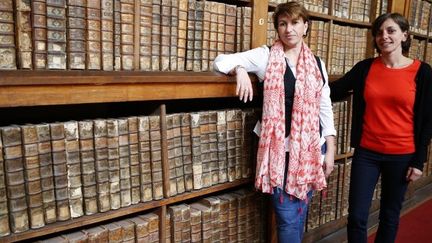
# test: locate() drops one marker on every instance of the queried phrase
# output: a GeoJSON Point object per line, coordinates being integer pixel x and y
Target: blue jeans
{"type": "Point", "coordinates": [290, 216]}
{"type": "Point", "coordinates": [366, 168]}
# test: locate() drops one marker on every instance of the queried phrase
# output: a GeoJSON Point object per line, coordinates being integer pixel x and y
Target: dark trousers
{"type": "Point", "coordinates": [366, 168]}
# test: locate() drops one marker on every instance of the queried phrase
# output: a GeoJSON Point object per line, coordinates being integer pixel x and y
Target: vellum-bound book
{"type": "Point", "coordinates": [101, 165]}
{"type": "Point", "coordinates": [56, 34]}
{"type": "Point", "coordinates": [24, 33]}
{"type": "Point", "coordinates": [32, 175]}
{"type": "Point", "coordinates": [7, 36]}
{"type": "Point", "coordinates": [4, 211]}
{"type": "Point", "coordinates": [73, 162]}
{"type": "Point", "coordinates": [113, 162]}
{"type": "Point", "coordinates": [145, 160]}
{"type": "Point", "coordinates": [14, 173]}
{"type": "Point", "coordinates": [156, 157]}
{"type": "Point", "coordinates": [125, 177]}
{"type": "Point", "coordinates": [61, 181]}
{"type": "Point", "coordinates": [88, 171]}
{"type": "Point", "coordinates": [134, 159]}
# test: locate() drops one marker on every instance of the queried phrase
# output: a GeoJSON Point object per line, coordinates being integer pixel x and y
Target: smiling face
{"type": "Point", "coordinates": [389, 37]}
{"type": "Point", "coordinates": [291, 30]}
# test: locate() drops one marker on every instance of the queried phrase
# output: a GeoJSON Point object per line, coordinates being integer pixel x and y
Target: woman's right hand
{"type": "Point", "coordinates": [244, 86]}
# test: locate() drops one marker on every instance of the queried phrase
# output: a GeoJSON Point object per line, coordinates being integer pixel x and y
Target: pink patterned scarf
{"type": "Point", "coordinates": [304, 167]}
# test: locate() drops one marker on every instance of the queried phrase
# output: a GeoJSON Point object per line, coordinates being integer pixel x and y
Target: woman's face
{"type": "Point", "coordinates": [389, 37]}
{"type": "Point", "coordinates": [291, 31]}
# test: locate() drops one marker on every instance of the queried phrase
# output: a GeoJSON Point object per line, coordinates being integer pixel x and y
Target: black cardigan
{"type": "Point", "coordinates": [354, 81]}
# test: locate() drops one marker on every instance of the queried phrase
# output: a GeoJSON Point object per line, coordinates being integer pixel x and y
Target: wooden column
{"type": "Point", "coordinates": [259, 23]}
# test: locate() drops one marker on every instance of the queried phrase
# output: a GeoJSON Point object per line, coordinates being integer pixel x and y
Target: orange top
{"type": "Point", "coordinates": [388, 120]}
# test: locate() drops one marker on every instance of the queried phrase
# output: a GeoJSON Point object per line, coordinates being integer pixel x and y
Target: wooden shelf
{"type": "Point", "coordinates": [343, 156]}
{"type": "Point", "coordinates": [100, 217]}
{"type": "Point", "coordinates": [31, 88]}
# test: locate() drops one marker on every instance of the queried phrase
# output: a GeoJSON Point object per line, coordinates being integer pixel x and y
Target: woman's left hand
{"type": "Point", "coordinates": [413, 174]}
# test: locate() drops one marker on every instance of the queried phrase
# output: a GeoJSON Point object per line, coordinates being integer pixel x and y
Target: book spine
{"type": "Point", "coordinates": [174, 34]}
{"type": "Point", "coordinates": [61, 183]}
{"type": "Point", "coordinates": [15, 184]}
{"type": "Point", "coordinates": [94, 41]}
{"type": "Point", "coordinates": [101, 165]}
{"type": "Point", "coordinates": [153, 226]}
{"type": "Point", "coordinates": [214, 204]}
{"type": "Point", "coordinates": [221, 28]}
{"type": "Point", "coordinates": [76, 35]}
{"type": "Point", "coordinates": [88, 171]}
{"type": "Point", "coordinates": [32, 175]}
{"type": "Point", "coordinates": [73, 162]}
{"type": "Point", "coordinates": [198, 37]}
{"type": "Point", "coordinates": [190, 35]}
{"type": "Point", "coordinates": [145, 160]}
{"type": "Point", "coordinates": [182, 34]}
{"type": "Point", "coordinates": [141, 229]}
{"type": "Point", "coordinates": [197, 165]}
{"type": "Point", "coordinates": [56, 34]}
{"type": "Point", "coordinates": [39, 31]}
{"type": "Point", "coordinates": [213, 147]}
{"type": "Point", "coordinates": [246, 28]}
{"type": "Point", "coordinates": [135, 174]}
{"type": "Point", "coordinates": [205, 148]}
{"type": "Point", "coordinates": [46, 172]}
{"type": "Point", "coordinates": [221, 127]}
{"type": "Point", "coordinates": [178, 155]}
{"type": "Point", "coordinates": [24, 33]}
{"type": "Point", "coordinates": [171, 156]}
{"type": "Point", "coordinates": [213, 41]}
{"type": "Point", "coordinates": [156, 35]}
{"type": "Point", "coordinates": [127, 34]}
{"type": "Point", "coordinates": [97, 234]}
{"type": "Point", "coordinates": [125, 176]}
{"type": "Point", "coordinates": [113, 162]}
{"type": "Point", "coordinates": [187, 151]}
{"type": "Point", "coordinates": [4, 211]}
{"type": "Point", "coordinates": [117, 35]}
{"type": "Point", "coordinates": [146, 35]}
{"type": "Point", "coordinates": [230, 27]}
{"type": "Point", "coordinates": [107, 34]}
{"type": "Point", "coordinates": [205, 49]}
{"type": "Point", "coordinates": [165, 41]}
{"type": "Point", "coordinates": [7, 36]}
{"type": "Point", "coordinates": [156, 157]}
{"type": "Point", "coordinates": [231, 144]}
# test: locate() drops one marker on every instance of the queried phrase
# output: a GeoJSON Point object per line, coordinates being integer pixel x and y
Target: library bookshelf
{"type": "Point", "coordinates": [23, 88]}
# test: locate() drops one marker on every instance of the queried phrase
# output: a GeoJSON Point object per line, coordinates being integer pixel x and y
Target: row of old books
{"type": "Point", "coordinates": [64, 170]}
{"type": "Point", "coordinates": [342, 123]}
{"type": "Point", "coordinates": [358, 10]}
{"type": "Point", "coordinates": [417, 49]}
{"type": "Point", "coordinates": [347, 49]}
{"type": "Point", "coordinates": [419, 17]}
{"type": "Point", "coordinates": [317, 6]}
{"type": "Point", "coordinates": [381, 7]}
{"type": "Point", "coordinates": [332, 203]}
{"type": "Point", "coordinates": [149, 35]}
{"type": "Point", "coordinates": [237, 216]}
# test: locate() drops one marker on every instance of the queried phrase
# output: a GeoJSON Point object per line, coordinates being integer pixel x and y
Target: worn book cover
{"type": "Point", "coordinates": [186, 150]}
{"type": "Point", "coordinates": [56, 34]}
{"type": "Point", "coordinates": [156, 36]}
{"type": "Point", "coordinates": [15, 182]}
{"type": "Point", "coordinates": [145, 160]}
{"type": "Point", "coordinates": [125, 177]}
{"type": "Point", "coordinates": [7, 37]}
{"type": "Point", "coordinates": [113, 162]}
{"type": "Point", "coordinates": [24, 33]}
{"type": "Point", "coordinates": [73, 162]}
{"type": "Point", "coordinates": [101, 165]}
{"type": "Point", "coordinates": [134, 159]}
{"type": "Point", "coordinates": [146, 15]}
{"type": "Point", "coordinates": [32, 175]}
{"type": "Point", "coordinates": [156, 157]}
{"type": "Point", "coordinates": [88, 171]}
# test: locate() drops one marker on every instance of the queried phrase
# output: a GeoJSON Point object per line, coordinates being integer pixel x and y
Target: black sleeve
{"type": "Point", "coordinates": [341, 88]}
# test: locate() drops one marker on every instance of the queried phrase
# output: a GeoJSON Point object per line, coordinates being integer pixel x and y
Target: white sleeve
{"type": "Point", "coordinates": [254, 61]}
{"type": "Point", "coordinates": [326, 111]}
